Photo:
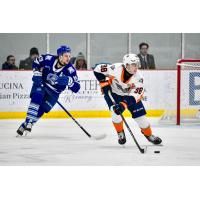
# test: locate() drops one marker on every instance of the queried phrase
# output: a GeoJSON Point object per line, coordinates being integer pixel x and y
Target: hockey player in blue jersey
{"type": "Point", "coordinates": [51, 76]}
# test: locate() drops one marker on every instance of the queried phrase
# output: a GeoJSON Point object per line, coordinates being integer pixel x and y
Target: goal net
{"type": "Point", "coordinates": [185, 105]}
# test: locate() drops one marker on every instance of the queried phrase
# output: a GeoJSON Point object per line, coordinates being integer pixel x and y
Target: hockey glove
{"type": "Point", "coordinates": [106, 86]}
{"type": "Point", "coordinates": [53, 79]}
{"type": "Point", "coordinates": [106, 89]}
{"type": "Point", "coordinates": [64, 80]}
{"type": "Point", "coordinates": [119, 108]}
{"type": "Point", "coordinates": [37, 78]}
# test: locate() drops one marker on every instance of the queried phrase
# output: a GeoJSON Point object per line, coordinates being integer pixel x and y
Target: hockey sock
{"type": "Point", "coordinates": [118, 126]}
{"type": "Point", "coordinates": [117, 121]}
{"type": "Point", "coordinates": [146, 131]}
{"type": "Point", "coordinates": [32, 113]}
{"type": "Point", "coordinates": [144, 124]}
{"type": "Point", "coordinates": [36, 100]}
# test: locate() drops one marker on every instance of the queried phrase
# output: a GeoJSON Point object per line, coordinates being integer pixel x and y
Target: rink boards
{"type": "Point", "coordinates": [160, 89]}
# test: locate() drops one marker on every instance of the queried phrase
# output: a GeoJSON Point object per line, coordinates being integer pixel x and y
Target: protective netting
{"type": "Point", "coordinates": [187, 105]}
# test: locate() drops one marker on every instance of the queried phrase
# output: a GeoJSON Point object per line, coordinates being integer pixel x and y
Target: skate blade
{"type": "Point", "coordinates": [158, 145]}
{"type": "Point", "coordinates": [19, 136]}
{"type": "Point", "coordinates": [26, 135]}
{"type": "Point", "coordinates": [145, 149]}
{"type": "Point", "coordinates": [23, 137]}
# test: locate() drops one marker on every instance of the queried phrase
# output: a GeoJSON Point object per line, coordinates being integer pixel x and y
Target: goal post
{"type": "Point", "coordinates": [187, 105]}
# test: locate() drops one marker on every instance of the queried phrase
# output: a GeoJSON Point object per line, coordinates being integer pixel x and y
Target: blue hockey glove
{"type": "Point", "coordinates": [64, 80]}
{"type": "Point", "coordinates": [53, 79]}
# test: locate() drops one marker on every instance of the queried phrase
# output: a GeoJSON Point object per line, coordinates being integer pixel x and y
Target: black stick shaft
{"type": "Point", "coordinates": [69, 114]}
{"type": "Point", "coordinates": [127, 126]}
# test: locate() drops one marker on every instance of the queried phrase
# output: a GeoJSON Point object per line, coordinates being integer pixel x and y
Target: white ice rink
{"type": "Point", "coordinates": [61, 142]}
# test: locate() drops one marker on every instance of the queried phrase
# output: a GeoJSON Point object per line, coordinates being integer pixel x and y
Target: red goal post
{"type": "Point", "coordinates": [184, 64]}
{"type": "Point", "coordinates": [182, 94]}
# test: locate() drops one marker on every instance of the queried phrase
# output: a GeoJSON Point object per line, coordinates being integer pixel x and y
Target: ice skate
{"type": "Point", "coordinates": [28, 129]}
{"type": "Point", "coordinates": [21, 130]}
{"type": "Point", "coordinates": [121, 138]}
{"type": "Point", "coordinates": [154, 139]}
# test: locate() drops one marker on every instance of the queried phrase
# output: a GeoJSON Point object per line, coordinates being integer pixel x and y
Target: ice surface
{"type": "Point", "coordinates": [61, 142]}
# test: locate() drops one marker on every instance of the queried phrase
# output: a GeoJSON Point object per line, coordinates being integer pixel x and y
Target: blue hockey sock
{"type": "Point", "coordinates": [32, 113]}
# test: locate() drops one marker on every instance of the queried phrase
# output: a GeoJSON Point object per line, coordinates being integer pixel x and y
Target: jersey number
{"type": "Point", "coordinates": [104, 68]}
{"type": "Point", "coordinates": [138, 90]}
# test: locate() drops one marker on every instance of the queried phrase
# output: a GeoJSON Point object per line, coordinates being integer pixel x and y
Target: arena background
{"type": "Point", "coordinates": [167, 48]}
{"type": "Point", "coordinates": [110, 47]}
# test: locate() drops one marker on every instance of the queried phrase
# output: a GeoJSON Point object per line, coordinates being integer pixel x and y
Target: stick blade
{"type": "Point", "coordinates": [144, 150]}
{"type": "Point", "coordinates": [98, 137]}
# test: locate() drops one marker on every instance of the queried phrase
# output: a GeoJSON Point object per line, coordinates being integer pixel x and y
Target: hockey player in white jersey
{"type": "Point", "coordinates": [126, 85]}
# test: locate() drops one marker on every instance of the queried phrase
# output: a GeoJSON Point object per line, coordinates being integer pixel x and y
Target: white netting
{"type": "Point", "coordinates": [189, 95]}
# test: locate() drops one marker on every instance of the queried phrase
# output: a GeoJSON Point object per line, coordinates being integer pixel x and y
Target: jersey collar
{"type": "Point", "coordinates": [54, 67]}
{"type": "Point", "coordinates": [122, 76]}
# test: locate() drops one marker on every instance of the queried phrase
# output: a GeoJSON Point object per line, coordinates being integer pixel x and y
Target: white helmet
{"type": "Point", "coordinates": [131, 63]}
{"type": "Point", "coordinates": [131, 59]}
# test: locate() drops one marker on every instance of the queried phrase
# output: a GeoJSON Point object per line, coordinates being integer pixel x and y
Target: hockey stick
{"type": "Point", "coordinates": [99, 137]}
{"type": "Point", "coordinates": [142, 150]}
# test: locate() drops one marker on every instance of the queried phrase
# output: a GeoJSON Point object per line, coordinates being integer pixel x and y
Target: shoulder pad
{"type": "Point", "coordinates": [71, 69]}
{"type": "Point", "coordinates": [48, 57]}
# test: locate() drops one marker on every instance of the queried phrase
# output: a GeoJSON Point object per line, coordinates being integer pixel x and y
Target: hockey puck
{"type": "Point", "coordinates": [156, 151]}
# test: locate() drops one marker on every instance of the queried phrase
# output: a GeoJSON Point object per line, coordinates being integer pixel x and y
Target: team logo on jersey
{"type": "Point", "coordinates": [52, 78]}
{"type": "Point", "coordinates": [112, 67]}
{"type": "Point", "coordinates": [119, 87]}
{"type": "Point", "coordinates": [71, 70]}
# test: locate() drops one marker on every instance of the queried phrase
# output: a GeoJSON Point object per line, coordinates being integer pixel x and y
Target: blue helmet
{"type": "Point", "coordinates": [63, 49]}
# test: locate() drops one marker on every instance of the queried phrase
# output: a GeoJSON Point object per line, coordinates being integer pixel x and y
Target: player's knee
{"type": "Point", "coordinates": [115, 118]}
{"type": "Point", "coordinates": [144, 124]}
{"type": "Point", "coordinates": [117, 121]}
{"type": "Point", "coordinates": [37, 94]}
{"type": "Point", "coordinates": [40, 112]}
{"type": "Point", "coordinates": [47, 106]}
